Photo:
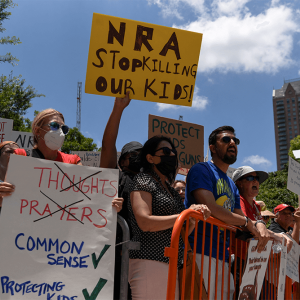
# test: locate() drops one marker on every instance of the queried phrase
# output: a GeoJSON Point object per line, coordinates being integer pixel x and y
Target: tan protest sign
{"type": "Point", "coordinates": [187, 138]}
{"type": "Point", "coordinates": [155, 63]}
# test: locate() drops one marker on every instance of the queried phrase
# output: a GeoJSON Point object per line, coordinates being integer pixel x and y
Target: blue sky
{"type": "Point", "coordinates": [248, 48]}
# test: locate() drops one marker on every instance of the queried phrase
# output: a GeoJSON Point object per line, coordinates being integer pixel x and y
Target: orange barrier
{"type": "Point", "coordinates": [219, 290]}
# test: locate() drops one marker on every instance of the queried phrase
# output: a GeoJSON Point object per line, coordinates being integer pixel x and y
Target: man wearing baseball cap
{"type": "Point", "coordinates": [284, 218]}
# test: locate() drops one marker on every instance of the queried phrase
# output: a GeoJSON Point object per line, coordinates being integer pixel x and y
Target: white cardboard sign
{"type": "Point", "coordinates": [282, 271]}
{"type": "Point", "coordinates": [59, 236]}
{"type": "Point", "coordinates": [23, 139]}
{"type": "Point", "coordinates": [293, 183]}
{"type": "Point", "coordinates": [89, 158]}
{"type": "Point", "coordinates": [292, 263]}
{"type": "Point", "coordinates": [253, 277]}
{"type": "Point", "coordinates": [230, 172]}
{"type": "Point", "coordinates": [296, 153]}
{"type": "Point", "coordinates": [6, 126]}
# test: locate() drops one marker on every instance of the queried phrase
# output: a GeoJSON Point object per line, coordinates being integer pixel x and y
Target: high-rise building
{"type": "Point", "coordinates": [286, 106]}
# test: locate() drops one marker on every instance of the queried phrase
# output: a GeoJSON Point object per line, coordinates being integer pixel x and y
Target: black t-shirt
{"type": "Point", "coordinates": [275, 227]}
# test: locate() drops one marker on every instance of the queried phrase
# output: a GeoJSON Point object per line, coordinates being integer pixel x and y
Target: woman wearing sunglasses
{"type": "Point", "coordinates": [247, 181]}
{"type": "Point", "coordinates": [153, 208]}
{"type": "Point", "coordinates": [49, 131]}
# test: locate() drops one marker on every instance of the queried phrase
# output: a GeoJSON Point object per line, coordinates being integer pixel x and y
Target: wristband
{"type": "Point", "coordinates": [245, 225]}
{"type": "Point", "coordinates": [259, 221]}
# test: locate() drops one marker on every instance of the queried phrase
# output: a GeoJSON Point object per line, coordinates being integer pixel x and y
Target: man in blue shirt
{"type": "Point", "coordinates": [207, 183]}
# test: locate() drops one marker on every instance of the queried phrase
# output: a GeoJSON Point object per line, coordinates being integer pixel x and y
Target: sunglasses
{"type": "Point", "coordinates": [227, 139]}
{"type": "Point", "coordinates": [167, 151]}
{"type": "Point", "coordinates": [251, 178]}
{"type": "Point", "coordinates": [55, 126]}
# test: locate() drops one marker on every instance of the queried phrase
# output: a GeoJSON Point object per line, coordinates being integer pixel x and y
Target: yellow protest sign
{"type": "Point", "coordinates": [155, 63]}
{"type": "Point", "coordinates": [188, 139]}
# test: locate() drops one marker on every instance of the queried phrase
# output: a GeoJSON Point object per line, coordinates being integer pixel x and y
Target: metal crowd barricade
{"type": "Point", "coordinates": [126, 246]}
{"type": "Point", "coordinates": [270, 285]}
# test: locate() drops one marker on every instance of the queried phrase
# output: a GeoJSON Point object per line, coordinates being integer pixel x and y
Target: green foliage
{"type": "Point", "coordinates": [76, 141]}
{"type": "Point", "coordinates": [15, 99]}
{"type": "Point", "coordinates": [274, 190]}
{"type": "Point", "coordinates": [4, 14]}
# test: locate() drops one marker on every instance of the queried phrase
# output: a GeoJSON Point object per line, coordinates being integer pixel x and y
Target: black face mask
{"type": "Point", "coordinates": [134, 164]}
{"type": "Point", "coordinates": [167, 165]}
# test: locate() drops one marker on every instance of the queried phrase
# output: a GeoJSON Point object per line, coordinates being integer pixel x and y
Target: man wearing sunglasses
{"type": "Point", "coordinates": [207, 183]}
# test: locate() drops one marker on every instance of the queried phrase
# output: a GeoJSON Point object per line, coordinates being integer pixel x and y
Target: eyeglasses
{"type": "Point", "coordinates": [167, 151]}
{"type": "Point", "coordinates": [180, 189]}
{"type": "Point", "coordinates": [251, 178]}
{"type": "Point", "coordinates": [227, 139]}
{"type": "Point", "coordinates": [55, 126]}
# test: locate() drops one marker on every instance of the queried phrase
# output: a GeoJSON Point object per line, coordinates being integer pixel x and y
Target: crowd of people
{"type": "Point", "coordinates": [150, 200]}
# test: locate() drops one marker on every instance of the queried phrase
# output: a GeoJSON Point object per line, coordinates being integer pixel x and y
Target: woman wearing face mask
{"type": "Point", "coordinates": [153, 208]}
{"type": "Point", "coordinates": [49, 131]}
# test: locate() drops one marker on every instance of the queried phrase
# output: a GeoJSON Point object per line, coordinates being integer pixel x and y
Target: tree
{"type": "Point", "coordinates": [274, 190]}
{"type": "Point", "coordinates": [15, 99]}
{"type": "Point", "coordinates": [76, 141]}
{"type": "Point", "coordinates": [4, 14]}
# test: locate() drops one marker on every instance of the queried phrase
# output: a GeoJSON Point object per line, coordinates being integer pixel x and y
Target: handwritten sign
{"type": "Point", "coordinates": [230, 172]}
{"type": "Point", "coordinates": [59, 231]}
{"type": "Point", "coordinates": [188, 138]}
{"type": "Point", "coordinates": [23, 139]}
{"type": "Point", "coordinates": [293, 183]}
{"type": "Point", "coordinates": [155, 63]}
{"type": "Point", "coordinates": [282, 272]}
{"type": "Point", "coordinates": [89, 158]}
{"type": "Point", "coordinates": [6, 126]}
{"type": "Point", "coordinates": [296, 153]}
{"type": "Point", "coordinates": [255, 270]}
{"type": "Point", "coordinates": [292, 263]}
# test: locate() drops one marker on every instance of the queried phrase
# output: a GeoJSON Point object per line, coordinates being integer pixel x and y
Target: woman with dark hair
{"type": "Point", "coordinates": [153, 208]}
{"type": "Point", "coordinates": [179, 186]}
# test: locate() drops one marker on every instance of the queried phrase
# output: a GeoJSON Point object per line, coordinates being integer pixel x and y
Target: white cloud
{"type": "Point", "coordinates": [257, 160]}
{"type": "Point", "coordinates": [199, 103]}
{"type": "Point", "coordinates": [173, 7]}
{"type": "Point", "coordinates": [236, 40]}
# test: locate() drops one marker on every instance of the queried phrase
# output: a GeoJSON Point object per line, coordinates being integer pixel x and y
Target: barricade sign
{"type": "Point", "coordinates": [255, 271]}
{"type": "Point", "coordinates": [188, 138]}
{"type": "Point", "coordinates": [23, 139]}
{"type": "Point", "coordinates": [292, 263]}
{"type": "Point", "coordinates": [282, 271]}
{"type": "Point", "coordinates": [59, 231]}
{"type": "Point", "coordinates": [155, 63]}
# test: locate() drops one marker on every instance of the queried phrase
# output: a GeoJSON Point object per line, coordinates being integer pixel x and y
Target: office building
{"type": "Point", "coordinates": [286, 107]}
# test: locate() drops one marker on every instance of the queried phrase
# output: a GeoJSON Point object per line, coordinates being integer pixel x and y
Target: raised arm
{"type": "Point", "coordinates": [109, 151]}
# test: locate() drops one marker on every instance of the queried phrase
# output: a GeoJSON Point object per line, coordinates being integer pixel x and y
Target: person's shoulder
{"type": "Point", "coordinates": [143, 176]}
{"type": "Point", "coordinates": [20, 152]}
{"type": "Point", "coordinates": [68, 158]}
{"type": "Point", "coordinates": [275, 227]}
{"type": "Point", "coordinates": [200, 167]}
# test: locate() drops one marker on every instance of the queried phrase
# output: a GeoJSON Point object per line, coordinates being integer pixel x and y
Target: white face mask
{"type": "Point", "coordinates": [54, 139]}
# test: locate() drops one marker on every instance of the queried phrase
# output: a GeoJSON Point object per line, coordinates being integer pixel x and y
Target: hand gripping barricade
{"type": "Point", "coordinates": [270, 285]}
